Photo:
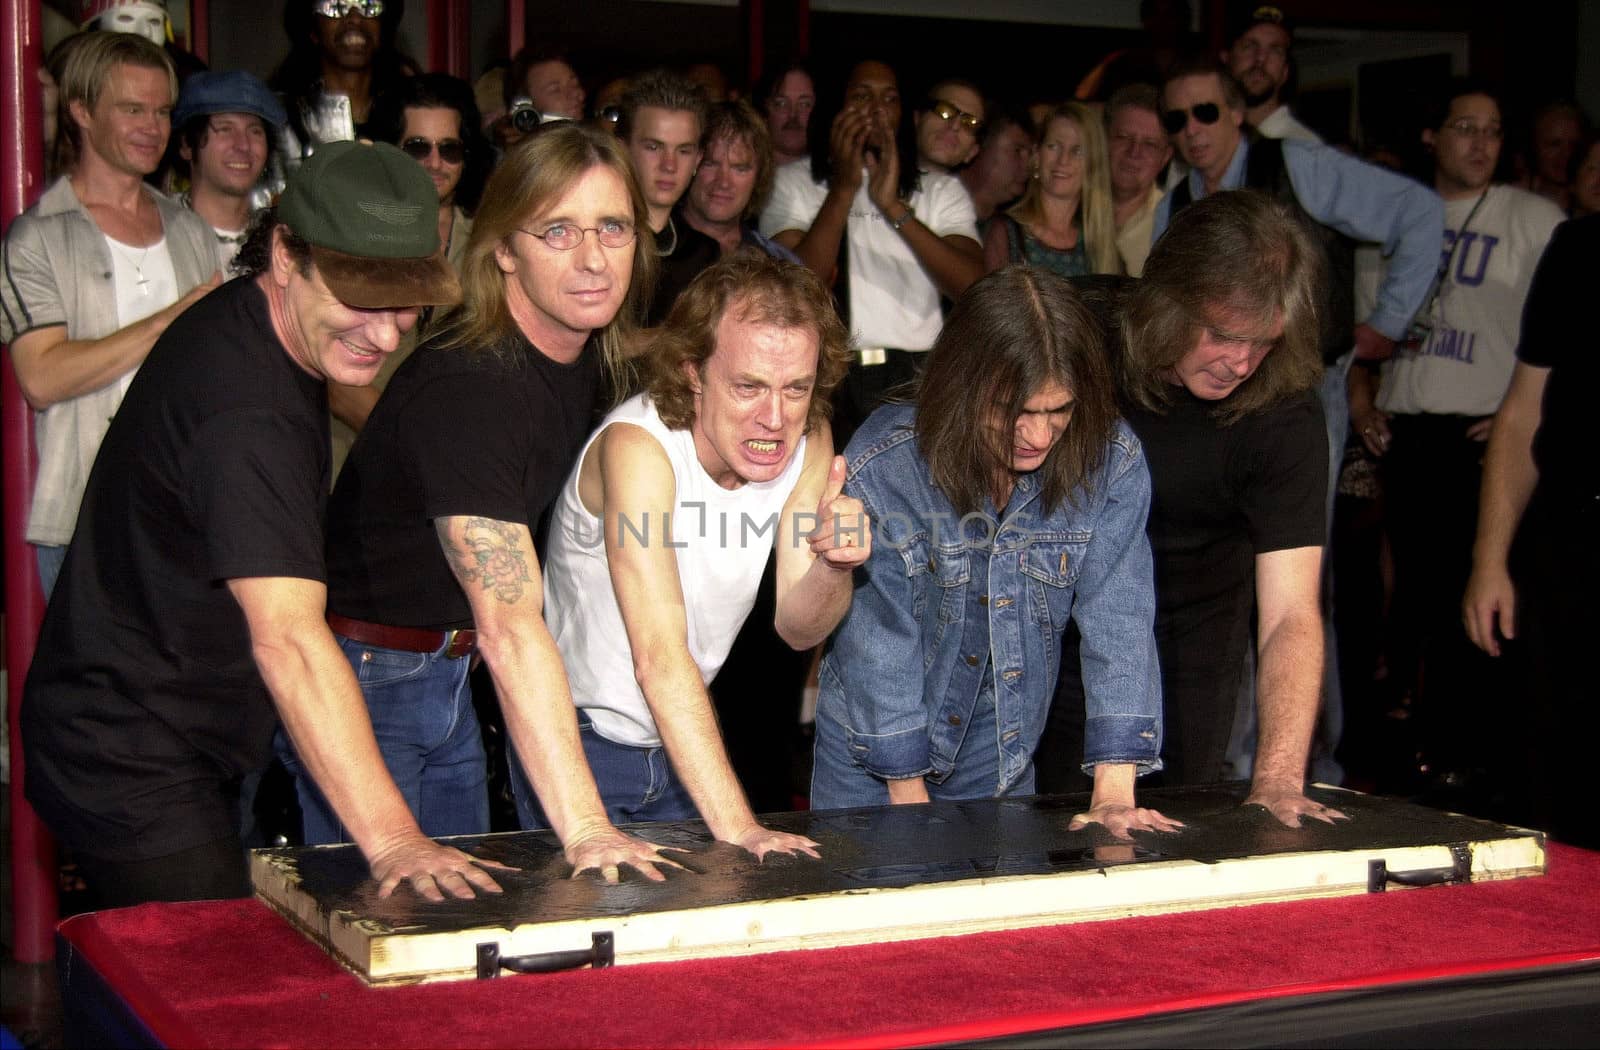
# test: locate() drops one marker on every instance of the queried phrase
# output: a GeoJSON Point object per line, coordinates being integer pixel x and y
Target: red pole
{"type": "Point", "coordinates": [33, 868]}
{"type": "Point", "coordinates": [755, 43]}
{"type": "Point", "coordinates": [449, 27]}
{"type": "Point", "coordinates": [516, 27]}
{"type": "Point", "coordinates": [200, 29]}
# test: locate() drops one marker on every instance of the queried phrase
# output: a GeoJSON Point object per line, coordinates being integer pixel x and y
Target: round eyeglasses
{"type": "Point", "coordinates": [565, 236]}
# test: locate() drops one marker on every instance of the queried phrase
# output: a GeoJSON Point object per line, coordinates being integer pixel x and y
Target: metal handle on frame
{"type": "Point", "coordinates": [600, 955]}
{"type": "Point", "coordinates": [1460, 870]}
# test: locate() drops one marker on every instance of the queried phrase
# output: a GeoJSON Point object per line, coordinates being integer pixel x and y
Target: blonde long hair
{"type": "Point", "coordinates": [1096, 224]}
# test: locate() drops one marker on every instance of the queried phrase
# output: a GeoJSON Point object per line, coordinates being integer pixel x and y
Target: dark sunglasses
{"type": "Point", "coordinates": [1175, 120]}
{"type": "Point", "coordinates": [451, 151]}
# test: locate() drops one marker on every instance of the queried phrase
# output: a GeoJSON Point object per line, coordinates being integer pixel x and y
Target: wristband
{"type": "Point", "coordinates": [905, 217]}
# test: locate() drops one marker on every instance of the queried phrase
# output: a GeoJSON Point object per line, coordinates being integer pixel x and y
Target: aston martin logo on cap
{"type": "Point", "coordinates": [393, 214]}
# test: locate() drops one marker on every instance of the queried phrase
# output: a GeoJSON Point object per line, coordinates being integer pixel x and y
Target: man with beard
{"type": "Point", "coordinates": [1259, 59]}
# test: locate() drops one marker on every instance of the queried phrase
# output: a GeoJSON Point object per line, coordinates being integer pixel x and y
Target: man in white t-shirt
{"type": "Point", "coordinates": [96, 270]}
{"type": "Point", "coordinates": [661, 533]}
{"type": "Point", "coordinates": [890, 239]}
{"type": "Point", "coordinates": [1430, 420]}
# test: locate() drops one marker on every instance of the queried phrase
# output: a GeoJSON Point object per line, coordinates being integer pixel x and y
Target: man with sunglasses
{"type": "Point", "coordinates": [1346, 201]}
{"type": "Point", "coordinates": [950, 126]}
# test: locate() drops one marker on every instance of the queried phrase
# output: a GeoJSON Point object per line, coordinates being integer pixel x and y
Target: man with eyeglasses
{"type": "Point", "coordinates": [189, 615]}
{"type": "Point", "coordinates": [1259, 59]}
{"type": "Point", "coordinates": [1428, 424]}
{"type": "Point", "coordinates": [1137, 150]}
{"type": "Point", "coordinates": [225, 124]}
{"type": "Point", "coordinates": [949, 126]}
{"type": "Point", "coordinates": [1346, 201]}
{"type": "Point", "coordinates": [432, 551]}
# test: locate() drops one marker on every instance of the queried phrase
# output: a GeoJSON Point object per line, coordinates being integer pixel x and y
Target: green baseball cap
{"type": "Point", "coordinates": [371, 216]}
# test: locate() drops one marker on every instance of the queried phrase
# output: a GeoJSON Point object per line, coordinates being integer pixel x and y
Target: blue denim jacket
{"type": "Point", "coordinates": [943, 599]}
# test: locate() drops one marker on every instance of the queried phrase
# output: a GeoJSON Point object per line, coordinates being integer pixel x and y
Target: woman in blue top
{"type": "Point", "coordinates": [1065, 219]}
{"type": "Point", "coordinates": [1007, 500]}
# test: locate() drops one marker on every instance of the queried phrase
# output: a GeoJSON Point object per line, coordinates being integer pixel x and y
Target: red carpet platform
{"type": "Point", "coordinates": [232, 973]}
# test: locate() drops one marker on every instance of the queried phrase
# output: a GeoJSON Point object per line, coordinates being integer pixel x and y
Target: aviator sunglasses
{"type": "Point", "coordinates": [947, 111]}
{"type": "Point", "coordinates": [451, 151]}
{"type": "Point", "coordinates": [1175, 120]}
{"type": "Point", "coordinates": [340, 8]}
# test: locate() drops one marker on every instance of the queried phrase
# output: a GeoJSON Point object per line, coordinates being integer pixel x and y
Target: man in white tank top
{"type": "Point", "coordinates": [661, 534]}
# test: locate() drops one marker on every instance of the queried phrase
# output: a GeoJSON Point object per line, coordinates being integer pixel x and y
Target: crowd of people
{"type": "Point", "coordinates": [1014, 444]}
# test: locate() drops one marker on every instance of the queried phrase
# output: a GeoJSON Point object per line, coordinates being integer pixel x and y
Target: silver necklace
{"type": "Point", "coordinates": [138, 267]}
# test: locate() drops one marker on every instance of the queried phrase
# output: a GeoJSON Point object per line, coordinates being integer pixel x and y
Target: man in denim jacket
{"type": "Point", "coordinates": [1007, 501]}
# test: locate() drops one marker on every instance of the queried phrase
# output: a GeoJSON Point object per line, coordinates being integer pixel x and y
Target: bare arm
{"type": "Point", "coordinates": [1288, 681]}
{"type": "Point", "coordinates": [953, 263]}
{"type": "Point", "coordinates": [822, 536]}
{"type": "Point", "coordinates": [636, 481]}
{"type": "Point", "coordinates": [495, 564]}
{"type": "Point", "coordinates": [818, 245]}
{"type": "Point", "coordinates": [1370, 422]}
{"type": "Point", "coordinates": [52, 368]}
{"type": "Point", "coordinates": [996, 246]}
{"type": "Point", "coordinates": [1509, 476]}
{"type": "Point", "coordinates": [326, 719]}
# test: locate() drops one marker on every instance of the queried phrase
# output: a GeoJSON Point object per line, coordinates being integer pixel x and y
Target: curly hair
{"type": "Point", "coordinates": [1239, 252]}
{"type": "Point", "coordinates": [761, 290]}
{"type": "Point", "coordinates": [738, 122]}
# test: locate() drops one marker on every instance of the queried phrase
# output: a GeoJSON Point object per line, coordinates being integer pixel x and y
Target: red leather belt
{"type": "Point", "coordinates": [455, 644]}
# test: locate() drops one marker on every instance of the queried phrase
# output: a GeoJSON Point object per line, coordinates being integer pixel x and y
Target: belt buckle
{"type": "Point", "coordinates": [451, 637]}
{"type": "Point", "coordinates": [872, 355]}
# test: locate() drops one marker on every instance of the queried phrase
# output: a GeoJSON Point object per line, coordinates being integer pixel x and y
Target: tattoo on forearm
{"type": "Point", "coordinates": [488, 554]}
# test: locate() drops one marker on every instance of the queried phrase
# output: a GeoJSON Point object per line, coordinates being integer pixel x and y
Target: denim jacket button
{"type": "Point", "coordinates": [983, 599]}
{"type": "Point", "coordinates": [972, 661]}
{"type": "Point", "coordinates": [954, 720]}
{"type": "Point", "coordinates": [933, 564]}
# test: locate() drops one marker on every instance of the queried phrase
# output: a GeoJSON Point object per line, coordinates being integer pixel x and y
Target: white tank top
{"type": "Point", "coordinates": [721, 538]}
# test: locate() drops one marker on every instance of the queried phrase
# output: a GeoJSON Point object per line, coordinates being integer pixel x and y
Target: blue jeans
{"type": "Point", "coordinates": [50, 558]}
{"type": "Point", "coordinates": [427, 732]}
{"type": "Point", "coordinates": [636, 783]}
{"type": "Point", "coordinates": [839, 782]}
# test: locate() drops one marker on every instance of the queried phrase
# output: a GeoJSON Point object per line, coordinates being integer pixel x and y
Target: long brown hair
{"type": "Point", "coordinates": [764, 290]}
{"type": "Point", "coordinates": [531, 177]}
{"type": "Point", "coordinates": [1240, 252]}
{"type": "Point", "coordinates": [1012, 333]}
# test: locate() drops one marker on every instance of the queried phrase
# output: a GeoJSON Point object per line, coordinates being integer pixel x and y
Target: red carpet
{"type": "Point", "coordinates": [232, 973]}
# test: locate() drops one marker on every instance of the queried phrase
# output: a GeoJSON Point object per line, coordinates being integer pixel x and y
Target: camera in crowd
{"type": "Point", "coordinates": [524, 117]}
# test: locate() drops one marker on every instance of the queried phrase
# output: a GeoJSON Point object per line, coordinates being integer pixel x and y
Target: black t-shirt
{"type": "Point", "coordinates": [692, 252]}
{"type": "Point", "coordinates": [143, 693]}
{"type": "Point", "coordinates": [490, 433]}
{"type": "Point", "coordinates": [1556, 335]}
{"type": "Point", "coordinates": [1220, 496]}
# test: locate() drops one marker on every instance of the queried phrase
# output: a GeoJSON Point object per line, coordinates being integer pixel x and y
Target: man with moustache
{"type": "Point", "coordinates": [1137, 151]}
{"type": "Point", "coordinates": [189, 617]}
{"type": "Point", "coordinates": [733, 181]}
{"type": "Point", "coordinates": [663, 119]}
{"type": "Point", "coordinates": [431, 549]}
{"type": "Point", "coordinates": [342, 57]}
{"type": "Point", "coordinates": [96, 270]}
{"type": "Point", "coordinates": [999, 173]}
{"type": "Point", "coordinates": [787, 105]}
{"type": "Point", "coordinates": [1428, 425]}
{"type": "Point", "coordinates": [661, 534]}
{"type": "Point", "coordinates": [1259, 60]}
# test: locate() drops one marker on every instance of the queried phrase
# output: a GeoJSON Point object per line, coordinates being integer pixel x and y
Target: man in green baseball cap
{"type": "Point", "coordinates": [189, 615]}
